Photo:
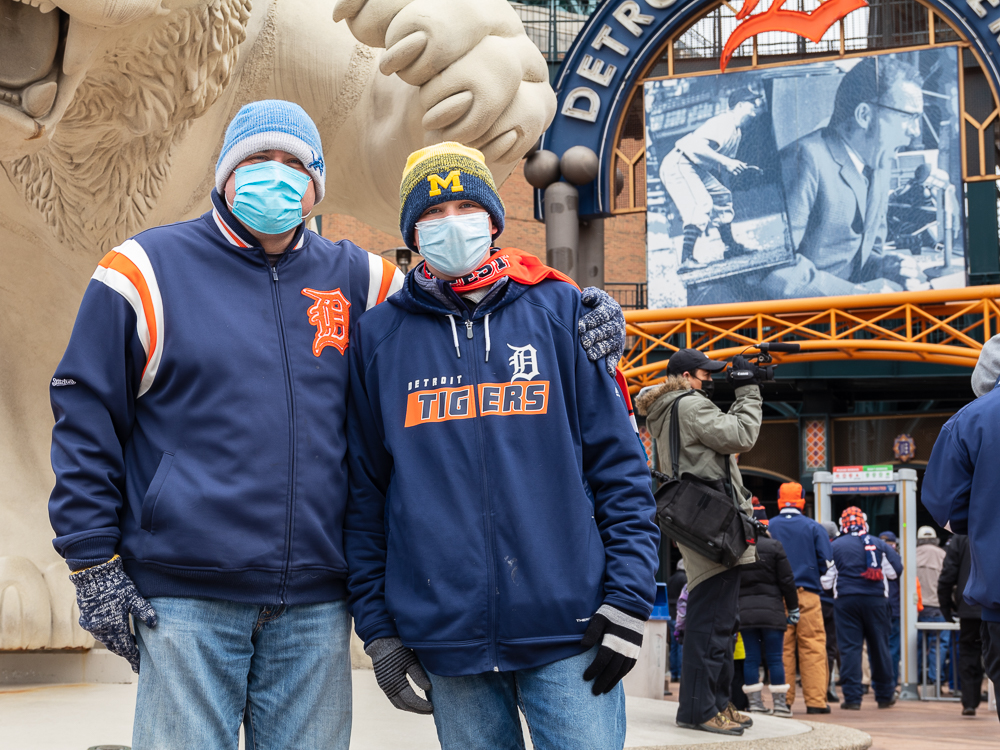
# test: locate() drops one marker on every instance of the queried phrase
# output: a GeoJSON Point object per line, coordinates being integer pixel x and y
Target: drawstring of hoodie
{"type": "Point", "coordinates": [454, 335]}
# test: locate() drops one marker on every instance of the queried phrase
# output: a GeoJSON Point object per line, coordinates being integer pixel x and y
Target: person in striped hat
{"type": "Point", "coordinates": [500, 538]}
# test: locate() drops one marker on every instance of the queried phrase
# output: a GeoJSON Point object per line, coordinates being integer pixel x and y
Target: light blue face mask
{"type": "Point", "coordinates": [269, 197]}
{"type": "Point", "coordinates": [455, 245]}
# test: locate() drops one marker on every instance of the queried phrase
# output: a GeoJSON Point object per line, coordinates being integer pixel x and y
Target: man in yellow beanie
{"type": "Point", "coordinates": [808, 548]}
{"type": "Point", "coordinates": [500, 531]}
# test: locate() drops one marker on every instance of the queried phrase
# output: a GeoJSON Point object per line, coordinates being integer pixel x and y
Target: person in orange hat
{"type": "Point", "coordinates": [808, 548]}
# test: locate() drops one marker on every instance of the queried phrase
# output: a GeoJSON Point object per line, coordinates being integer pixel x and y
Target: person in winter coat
{"type": "Point", "coordinates": [808, 548]}
{"type": "Point", "coordinates": [894, 603]}
{"type": "Point", "coordinates": [199, 452]}
{"type": "Point", "coordinates": [860, 587]}
{"type": "Point", "coordinates": [830, 623]}
{"type": "Point", "coordinates": [501, 525]}
{"type": "Point", "coordinates": [951, 585]}
{"type": "Point", "coordinates": [708, 439]}
{"type": "Point", "coordinates": [767, 589]}
{"type": "Point", "coordinates": [675, 585]}
{"type": "Point", "coordinates": [930, 561]}
{"type": "Point", "coordinates": [959, 489]}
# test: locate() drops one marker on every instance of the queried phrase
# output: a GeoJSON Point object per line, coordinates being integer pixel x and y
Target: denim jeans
{"type": "Point", "coordinates": [767, 645]}
{"type": "Point", "coordinates": [479, 712]}
{"type": "Point", "coordinates": [210, 666]}
{"type": "Point", "coordinates": [676, 653]}
{"type": "Point", "coordinates": [938, 647]}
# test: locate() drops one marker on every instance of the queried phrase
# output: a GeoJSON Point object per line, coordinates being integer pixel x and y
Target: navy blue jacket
{"type": "Point", "coordinates": [960, 487]}
{"type": "Point", "coordinates": [200, 412]}
{"type": "Point", "coordinates": [806, 544]}
{"type": "Point", "coordinates": [498, 494]}
{"type": "Point", "coordinates": [852, 555]}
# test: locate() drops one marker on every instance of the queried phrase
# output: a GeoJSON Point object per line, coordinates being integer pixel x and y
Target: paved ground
{"type": "Point", "coordinates": [76, 717]}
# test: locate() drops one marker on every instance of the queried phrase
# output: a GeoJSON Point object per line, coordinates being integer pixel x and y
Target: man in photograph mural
{"type": "Point", "coordinates": [690, 175]}
{"type": "Point", "coordinates": [837, 185]}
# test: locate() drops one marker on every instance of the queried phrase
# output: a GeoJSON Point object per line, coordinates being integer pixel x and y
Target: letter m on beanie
{"type": "Point", "coordinates": [452, 180]}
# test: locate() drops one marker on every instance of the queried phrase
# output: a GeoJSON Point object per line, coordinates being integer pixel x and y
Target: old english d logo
{"type": "Point", "coordinates": [809, 24]}
{"type": "Point", "coordinates": [332, 318]}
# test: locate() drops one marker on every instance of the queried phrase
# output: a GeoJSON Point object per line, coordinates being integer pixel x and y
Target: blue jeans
{"type": "Point", "coordinates": [763, 644]}
{"type": "Point", "coordinates": [479, 712]}
{"type": "Point", "coordinates": [895, 649]}
{"type": "Point", "coordinates": [676, 653]}
{"type": "Point", "coordinates": [210, 666]}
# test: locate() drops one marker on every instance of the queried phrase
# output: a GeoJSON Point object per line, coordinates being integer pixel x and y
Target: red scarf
{"type": "Point", "coordinates": [520, 266]}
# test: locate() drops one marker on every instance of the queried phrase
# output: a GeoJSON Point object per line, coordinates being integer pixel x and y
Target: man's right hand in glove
{"type": "Point", "coordinates": [107, 597]}
{"type": "Point", "coordinates": [393, 661]}
{"type": "Point", "coordinates": [742, 373]}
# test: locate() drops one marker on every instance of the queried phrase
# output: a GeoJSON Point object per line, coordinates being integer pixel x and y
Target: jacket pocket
{"type": "Point", "coordinates": [149, 501]}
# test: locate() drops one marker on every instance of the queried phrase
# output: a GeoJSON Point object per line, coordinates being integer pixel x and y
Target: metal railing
{"type": "Point", "coordinates": [925, 630]}
{"type": "Point", "coordinates": [630, 295]}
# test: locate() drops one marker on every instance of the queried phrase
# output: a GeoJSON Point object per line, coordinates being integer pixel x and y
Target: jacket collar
{"type": "Point", "coordinates": [236, 234]}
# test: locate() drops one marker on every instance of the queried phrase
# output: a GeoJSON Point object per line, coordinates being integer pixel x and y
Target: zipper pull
{"type": "Point", "coordinates": [274, 272]}
{"type": "Point", "coordinates": [468, 329]}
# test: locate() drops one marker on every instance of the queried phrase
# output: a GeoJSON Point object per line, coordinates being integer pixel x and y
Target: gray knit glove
{"type": "Point", "coordinates": [393, 661]}
{"type": "Point", "coordinates": [603, 328]}
{"type": "Point", "coordinates": [107, 597]}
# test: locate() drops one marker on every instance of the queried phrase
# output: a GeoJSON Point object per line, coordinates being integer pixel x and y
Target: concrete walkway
{"type": "Point", "coordinates": [77, 717]}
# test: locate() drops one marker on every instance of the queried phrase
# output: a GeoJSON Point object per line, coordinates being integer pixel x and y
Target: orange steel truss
{"type": "Point", "coordinates": [946, 326]}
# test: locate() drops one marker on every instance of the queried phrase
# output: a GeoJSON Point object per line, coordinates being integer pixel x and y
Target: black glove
{"type": "Point", "coordinates": [947, 613]}
{"type": "Point", "coordinates": [620, 635]}
{"type": "Point", "coordinates": [742, 372]}
{"type": "Point", "coordinates": [393, 661]}
{"type": "Point", "coordinates": [106, 597]}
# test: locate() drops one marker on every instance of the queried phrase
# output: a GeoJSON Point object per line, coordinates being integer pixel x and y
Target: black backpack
{"type": "Point", "coordinates": [701, 514]}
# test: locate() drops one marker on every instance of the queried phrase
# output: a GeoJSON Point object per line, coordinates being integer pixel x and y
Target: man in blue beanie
{"type": "Point", "coordinates": [199, 451]}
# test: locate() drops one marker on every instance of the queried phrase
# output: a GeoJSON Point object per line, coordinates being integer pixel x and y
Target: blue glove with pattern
{"type": "Point", "coordinates": [793, 616]}
{"type": "Point", "coordinates": [603, 328]}
{"type": "Point", "coordinates": [107, 597]}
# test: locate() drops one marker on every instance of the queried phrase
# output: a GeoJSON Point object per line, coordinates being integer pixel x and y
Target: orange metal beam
{"type": "Point", "coordinates": [929, 326]}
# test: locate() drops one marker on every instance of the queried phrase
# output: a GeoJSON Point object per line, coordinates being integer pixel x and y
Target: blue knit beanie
{"type": "Point", "coordinates": [268, 125]}
{"type": "Point", "coordinates": [446, 172]}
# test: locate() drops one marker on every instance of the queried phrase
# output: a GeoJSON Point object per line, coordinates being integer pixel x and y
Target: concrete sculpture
{"type": "Point", "coordinates": [111, 117]}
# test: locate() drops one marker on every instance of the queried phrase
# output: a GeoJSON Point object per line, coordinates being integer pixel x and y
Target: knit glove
{"type": "Point", "coordinates": [603, 328]}
{"type": "Point", "coordinates": [107, 597]}
{"type": "Point", "coordinates": [393, 661]}
{"type": "Point", "coordinates": [793, 616]}
{"type": "Point", "coordinates": [620, 635]}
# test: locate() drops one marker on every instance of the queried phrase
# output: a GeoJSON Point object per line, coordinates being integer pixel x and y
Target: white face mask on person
{"type": "Point", "coordinates": [455, 245]}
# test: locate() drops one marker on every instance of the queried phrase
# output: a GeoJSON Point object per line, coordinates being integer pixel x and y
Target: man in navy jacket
{"type": "Point", "coordinates": [200, 452]}
{"type": "Point", "coordinates": [500, 527]}
{"type": "Point", "coordinates": [865, 565]}
{"type": "Point", "coordinates": [959, 489]}
{"type": "Point", "coordinates": [808, 548]}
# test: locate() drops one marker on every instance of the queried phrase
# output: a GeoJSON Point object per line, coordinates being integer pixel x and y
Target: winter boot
{"type": "Point", "coordinates": [779, 694]}
{"type": "Point", "coordinates": [754, 698]}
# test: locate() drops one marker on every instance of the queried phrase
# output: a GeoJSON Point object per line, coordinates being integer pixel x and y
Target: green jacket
{"type": "Point", "coordinates": [707, 434]}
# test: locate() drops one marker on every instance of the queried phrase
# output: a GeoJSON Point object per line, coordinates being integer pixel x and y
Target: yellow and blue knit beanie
{"type": "Point", "coordinates": [446, 172]}
{"type": "Point", "coordinates": [268, 125]}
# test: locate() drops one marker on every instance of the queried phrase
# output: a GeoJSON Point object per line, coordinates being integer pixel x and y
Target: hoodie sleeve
{"type": "Point", "coordinates": [370, 468]}
{"type": "Point", "coordinates": [786, 579]}
{"type": "Point", "coordinates": [93, 396]}
{"type": "Point", "coordinates": [618, 475]}
{"type": "Point", "coordinates": [947, 484]}
{"type": "Point", "coordinates": [892, 563]}
{"type": "Point", "coordinates": [824, 552]}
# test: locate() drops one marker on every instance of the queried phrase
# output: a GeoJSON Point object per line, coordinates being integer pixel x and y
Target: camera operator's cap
{"type": "Point", "coordinates": [689, 360]}
{"type": "Point", "coordinates": [790, 496]}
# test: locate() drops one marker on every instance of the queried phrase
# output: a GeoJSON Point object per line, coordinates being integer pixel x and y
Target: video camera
{"type": "Point", "coordinates": [760, 365]}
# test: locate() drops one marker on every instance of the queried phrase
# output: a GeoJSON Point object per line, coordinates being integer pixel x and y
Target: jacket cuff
{"type": "Point", "coordinates": [89, 552]}
{"type": "Point", "coordinates": [381, 629]}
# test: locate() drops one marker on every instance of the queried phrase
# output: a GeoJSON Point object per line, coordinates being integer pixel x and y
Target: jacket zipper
{"type": "Point", "coordinates": [290, 398]}
{"type": "Point", "coordinates": [491, 602]}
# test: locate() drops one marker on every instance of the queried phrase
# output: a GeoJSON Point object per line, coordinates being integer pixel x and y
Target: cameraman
{"type": "Point", "coordinates": [709, 437]}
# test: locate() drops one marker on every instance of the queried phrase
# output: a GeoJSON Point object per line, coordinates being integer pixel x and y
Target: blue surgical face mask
{"type": "Point", "coordinates": [269, 197]}
{"type": "Point", "coordinates": [455, 245]}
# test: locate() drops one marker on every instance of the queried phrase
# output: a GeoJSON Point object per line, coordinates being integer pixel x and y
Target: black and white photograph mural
{"type": "Point", "coordinates": [807, 180]}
